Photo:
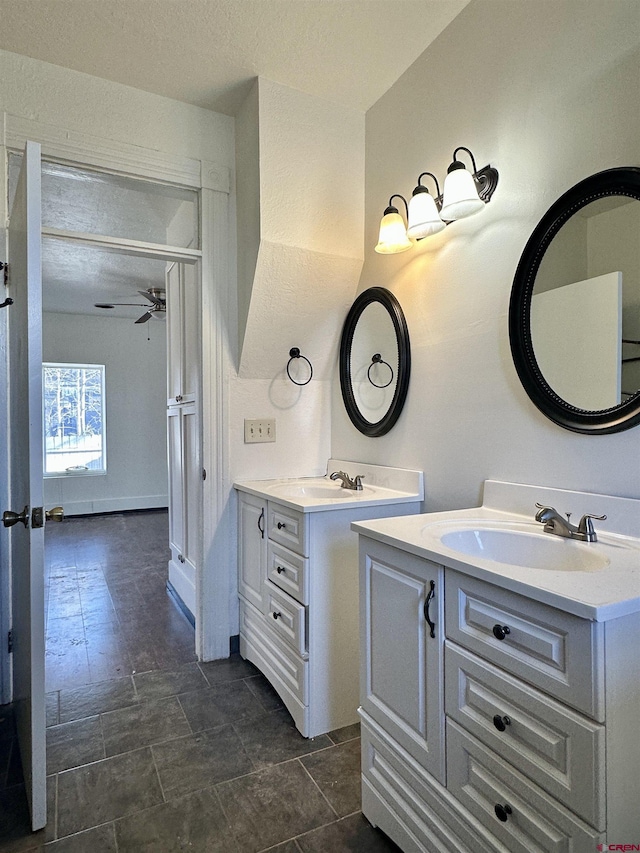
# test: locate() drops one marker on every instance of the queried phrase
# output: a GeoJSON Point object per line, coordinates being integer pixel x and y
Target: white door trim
{"type": "Point", "coordinates": [213, 582]}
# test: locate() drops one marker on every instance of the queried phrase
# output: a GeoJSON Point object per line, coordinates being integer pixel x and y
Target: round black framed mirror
{"type": "Point", "coordinates": [375, 361]}
{"type": "Point", "coordinates": [574, 314]}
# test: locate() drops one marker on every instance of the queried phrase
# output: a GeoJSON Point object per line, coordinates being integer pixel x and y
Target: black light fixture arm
{"type": "Point", "coordinates": [392, 209]}
{"type": "Point", "coordinates": [457, 164]}
{"type": "Point", "coordinates": [486, 178]}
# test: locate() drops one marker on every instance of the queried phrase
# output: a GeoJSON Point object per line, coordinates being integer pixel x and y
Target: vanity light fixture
{"type": "Point", "coordinates": [465, 193]}
{"type": "Point", "coordinates": [461, 195]}
{"type": "Point", "coordinates": [393, 233]}
{"type": "Point", "coordinates": [424, 218]}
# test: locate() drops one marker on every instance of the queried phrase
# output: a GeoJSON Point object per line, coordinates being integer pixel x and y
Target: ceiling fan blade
{"type": "Point", "coordinates": [114, 304]}
{"type": "Point", "coordinates": [144, 317]}
{"type": "Point", "coordinates": [152, 297]}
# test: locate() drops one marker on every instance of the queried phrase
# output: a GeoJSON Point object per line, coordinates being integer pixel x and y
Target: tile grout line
{"type": "Point", "coordinates": [319, 789]}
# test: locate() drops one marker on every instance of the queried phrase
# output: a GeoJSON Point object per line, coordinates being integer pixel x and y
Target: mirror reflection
{"type": "Point", "coordinates": [373, 379]}
{"type": "Point", "coordinates": [585, 306]}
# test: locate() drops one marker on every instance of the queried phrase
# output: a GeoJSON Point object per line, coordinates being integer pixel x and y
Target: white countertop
{"type": "Point", "coordinates": [278, 490]}
{"type": "Point", "coordinates": [598, 594]}
{"type": "Point", "coordinates": [382, 485]}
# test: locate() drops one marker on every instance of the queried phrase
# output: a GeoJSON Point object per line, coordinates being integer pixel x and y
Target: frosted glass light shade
{"type": "Point", "coordinates": [424, 219]}
{"type": "Point", "coordinates": [460, 196]}
{"type": "Point", "coordinates": [393, 235]}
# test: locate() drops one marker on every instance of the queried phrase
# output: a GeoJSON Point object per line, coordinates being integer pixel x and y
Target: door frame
{"type": "Point", "coordinates": [213, 180]}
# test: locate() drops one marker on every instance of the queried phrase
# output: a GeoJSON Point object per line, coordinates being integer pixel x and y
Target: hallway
{"type": "Point", "coordinates": [150, 751]}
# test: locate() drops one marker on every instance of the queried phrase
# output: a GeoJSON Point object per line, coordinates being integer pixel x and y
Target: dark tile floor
{"type": "Point", "coordinates": [149, 751]}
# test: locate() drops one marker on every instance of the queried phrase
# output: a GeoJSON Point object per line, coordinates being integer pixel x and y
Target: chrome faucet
{"type": "Point", "coordinates": [347, 482]}
{"type": "Point", "coordinates": [555, 523]}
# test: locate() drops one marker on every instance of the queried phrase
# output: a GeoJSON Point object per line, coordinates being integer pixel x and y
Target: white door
{"type": "Point", "coordinates": [25, 474]}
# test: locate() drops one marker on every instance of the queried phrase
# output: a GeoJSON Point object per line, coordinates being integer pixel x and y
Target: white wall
{"type": "Point", "coordinates": [136, 402]}
{"type": "Point", "coordinates": [547, 93]}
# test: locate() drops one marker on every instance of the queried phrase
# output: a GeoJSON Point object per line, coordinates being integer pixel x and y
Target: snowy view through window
{"type": "Point", "coordinates": [74, 434]}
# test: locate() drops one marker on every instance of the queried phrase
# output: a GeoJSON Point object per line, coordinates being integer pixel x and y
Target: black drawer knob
{"type": "Point", "coordinates": [280, 569]}
{"type": "Point", "coordinates": [276, 614]}
{"type": "Point", "coordinates": [501, 631]}
{"type": "Point", "coordinates": [281, 525]}
{"type": "Point", "coordinates": [501, 722]}
{"type": "Point", "coordinates": [503, 812]}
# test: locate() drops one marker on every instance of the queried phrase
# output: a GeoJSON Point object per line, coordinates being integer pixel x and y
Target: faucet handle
{"type": "Point", "coordinates": [586, 525]}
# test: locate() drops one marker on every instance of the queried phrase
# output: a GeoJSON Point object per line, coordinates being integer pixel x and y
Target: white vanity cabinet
{"type": "Point", "coordinates": [298, 591]}
{"type": "Point", "coordinates": [515, 729]}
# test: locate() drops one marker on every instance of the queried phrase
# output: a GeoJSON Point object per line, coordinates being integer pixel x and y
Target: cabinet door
{"type": "Point", "coordinates": [252, 548]}
{"type": "Point", "coordinates": [401, 665]}
{"type": "Point", "coordinates": [183, 333]}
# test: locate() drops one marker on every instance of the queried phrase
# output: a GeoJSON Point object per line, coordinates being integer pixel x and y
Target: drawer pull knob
{"type": "Point", "coordinates": [281, 525]}
{"type": "Point", "coordinates": [280, 569]}
{"type": "Point", "coordinates": [503, 812]}
{"type": "Point", "coordinates": [276, 614]}
{"type": "Point", "coordinates": [501, 631]}
{"type": "Point", "coordinates": [501, 722]}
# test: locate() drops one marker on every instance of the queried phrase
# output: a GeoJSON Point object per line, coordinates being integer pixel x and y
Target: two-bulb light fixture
{"type": "Point", "coordinates": [464, 194]}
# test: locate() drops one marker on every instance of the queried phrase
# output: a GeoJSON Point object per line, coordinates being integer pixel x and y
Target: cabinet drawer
{"type": "Point", "coordinates": [289, 571]}
{"type": "Point", "coordinates": [285, 669]}
{"type": "Point", "coordinates": [553, 745]}
{"type": "Point", "coordinates": [288, 527]}
{"type": "Point", "coordinates": [416, 801]}
{"type": "Point", "coordinates": [287, 618]}
{"type": "Point", "coordinates": [530, 820]}
{"type": "Point", "coordinates": [556, 651]}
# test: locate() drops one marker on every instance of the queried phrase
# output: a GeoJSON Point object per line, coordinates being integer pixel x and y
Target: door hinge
{"type": "Point", "coordinates": [10, 642]}
{"type": "Point", "coordinates": [204, 473]}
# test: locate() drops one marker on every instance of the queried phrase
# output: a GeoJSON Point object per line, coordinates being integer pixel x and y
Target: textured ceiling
{"type": "Point", "coordinates": [207, 52]}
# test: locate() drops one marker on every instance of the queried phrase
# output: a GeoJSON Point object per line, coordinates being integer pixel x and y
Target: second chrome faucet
{"type": "Point", "coordinates": [555, 523]}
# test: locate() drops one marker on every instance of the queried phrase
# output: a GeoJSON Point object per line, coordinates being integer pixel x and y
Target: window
{"type": "Point", "coordinates": [74, 423]}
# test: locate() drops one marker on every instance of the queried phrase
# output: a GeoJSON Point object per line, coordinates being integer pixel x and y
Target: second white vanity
{"type": "Point", "coordinates": [500, 676]}
{"type": "Point", "coordinates": [298, 583]}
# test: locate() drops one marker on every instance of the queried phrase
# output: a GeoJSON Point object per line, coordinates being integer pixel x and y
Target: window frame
{"type": "Point", "coordinates": [89, 472]}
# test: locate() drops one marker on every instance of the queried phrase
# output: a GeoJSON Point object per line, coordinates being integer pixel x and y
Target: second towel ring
{"type": "Point", "coordinates": [378, 359]}
{"type": "Point", "coordinates": [294, 352]}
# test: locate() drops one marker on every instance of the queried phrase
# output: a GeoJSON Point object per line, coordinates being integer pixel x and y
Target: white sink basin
{"type": "Point", "coordinates": [318, 491]}
{"type": "Point", "coordinates": [518, 547]}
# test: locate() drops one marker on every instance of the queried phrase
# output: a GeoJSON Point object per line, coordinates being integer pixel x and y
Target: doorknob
{"type": "Point", "coordinates": [55, 514]}
{"type": "Point", "coordinates": [10, 518]}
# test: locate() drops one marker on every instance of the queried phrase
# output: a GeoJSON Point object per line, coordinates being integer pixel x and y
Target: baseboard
{"type": "Point", "coordinates": [234, 644]}
{"type": "Point", "coordinates": [107, 505]}
{"type": "Point", "coordinates": [180, 604]}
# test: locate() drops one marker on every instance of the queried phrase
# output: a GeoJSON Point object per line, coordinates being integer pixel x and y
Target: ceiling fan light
{"type": "Point", "coordinates": [460, 197]}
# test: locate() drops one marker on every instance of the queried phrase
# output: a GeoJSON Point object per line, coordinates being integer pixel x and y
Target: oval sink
{"type": "Point", "coordinates": [530, 550]}
{"type": "Point", "coordinates": [318, 491]}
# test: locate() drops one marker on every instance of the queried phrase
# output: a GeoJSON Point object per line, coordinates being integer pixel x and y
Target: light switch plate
{"type": "Point", "coordinates": [259, 430]}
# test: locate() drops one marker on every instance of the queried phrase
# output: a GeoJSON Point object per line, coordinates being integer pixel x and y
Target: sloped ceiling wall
{"type": "Point", "coordinates": [300, 191]}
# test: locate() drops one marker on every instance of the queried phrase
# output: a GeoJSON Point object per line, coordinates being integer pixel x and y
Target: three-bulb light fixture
{"type": "Point", "coordinates": [464, 194]}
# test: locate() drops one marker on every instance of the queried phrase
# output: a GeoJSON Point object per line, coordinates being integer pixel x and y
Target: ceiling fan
{"type": "Point", "coordinates": [157, 309]}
